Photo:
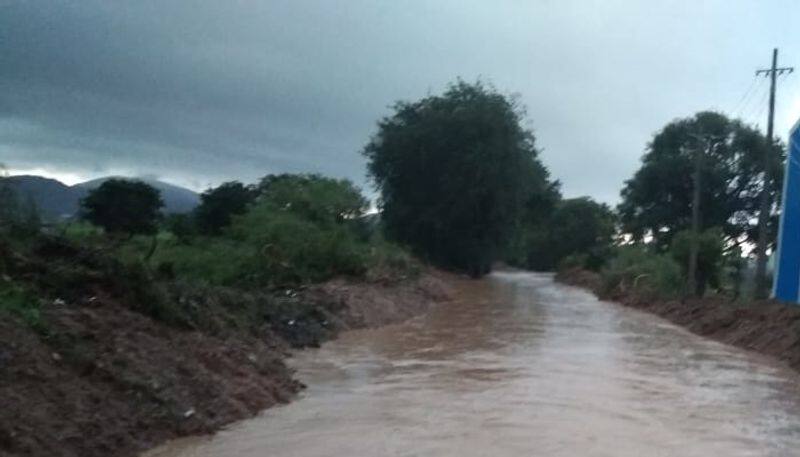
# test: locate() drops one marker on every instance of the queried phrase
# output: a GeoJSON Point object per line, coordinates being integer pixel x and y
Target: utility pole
{"type": "Point", "coordinates": [764, 201]}
{"type": "Point", "coordinates": [709, 144]}
{"type": "Point", "coordinates": [691, 280]}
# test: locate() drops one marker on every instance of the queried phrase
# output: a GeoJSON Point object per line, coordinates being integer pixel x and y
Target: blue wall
{"type": "Point", "coordinates": [787, 266]}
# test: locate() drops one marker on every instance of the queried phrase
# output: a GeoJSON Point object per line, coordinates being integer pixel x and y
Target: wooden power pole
{"type": "Point", "coordinates": [691, 277]}
{"type": "Point", "coordinates": [706, 145]}
{"type": "Point", "coordinates": [764, 206]}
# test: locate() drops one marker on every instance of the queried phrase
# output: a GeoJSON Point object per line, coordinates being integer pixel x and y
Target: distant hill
{"type": "Point", "coordinates": [176, 199]}
{"type": "Point", "coordinates": [54, 199]}
{"type": "Point", "coordinates": [57, 200]}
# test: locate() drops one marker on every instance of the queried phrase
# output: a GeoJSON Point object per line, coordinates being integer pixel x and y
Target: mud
{"type": "Point", "coordinates": [106, 380]}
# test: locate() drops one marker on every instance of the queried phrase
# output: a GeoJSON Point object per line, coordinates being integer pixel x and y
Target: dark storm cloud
{"type": "Point", "coordinates": [200, 92]}
{"type": "Point", "coordinates": [168, 90]}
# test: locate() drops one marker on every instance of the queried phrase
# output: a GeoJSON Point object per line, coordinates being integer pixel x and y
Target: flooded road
{"type": "Point", "coordinates": [520, 366]}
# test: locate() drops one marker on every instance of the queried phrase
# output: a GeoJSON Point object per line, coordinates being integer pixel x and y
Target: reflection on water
{"type": "Point", "coordinates": [520, 366]}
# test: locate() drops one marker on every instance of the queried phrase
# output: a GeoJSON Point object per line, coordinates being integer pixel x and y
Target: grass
{"type": "Point", "coordinates": [18, 303]}
{"type": "Point", "coordinates": [240, 278]}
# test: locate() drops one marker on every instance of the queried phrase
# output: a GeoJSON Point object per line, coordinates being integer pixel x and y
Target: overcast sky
{"type": "Point", "coordinates": [199, 92]}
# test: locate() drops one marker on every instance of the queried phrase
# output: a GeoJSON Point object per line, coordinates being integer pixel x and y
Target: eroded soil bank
{"type": "Point", "coordinates": [106, 380]}
{"type": "Point", "coordinates": [766, 326]}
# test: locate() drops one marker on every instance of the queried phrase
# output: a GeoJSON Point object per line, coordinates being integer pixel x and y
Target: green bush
{"type": "Point", "coordinates": [732, 274]}
{"type": "Point", "coordinates": [388, 261]}
{"type": "Point", "coordinates": [312, 197]}
{"type": "Point", "coordinates": [210, 260]}
{"type": "Point", "coordinates": [593, 260]}
{"type": "Point", "coordinates": [291, 249]}
{"type": "Point", "coordinates": [263, 248]}
{"type": "Point", "coordinates": [300, 229]}
{"type": "Point", "coordinates": [709, 256]}
{"type": "Point", "coordinates": [136, 285]}
{"type": "Point", "coordinates": [17, 302]}
{"type": "Point", "coordinates": [573, 261]}
{"type": "Point", "coordinates": [82, 233]}
{"type": "Point", "coordinates": [635, 268]}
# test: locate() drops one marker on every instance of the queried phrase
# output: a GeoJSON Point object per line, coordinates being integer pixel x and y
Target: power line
{"type": "Point", "coordinates": [745, 95]}
{"type": "Point", "coordinates": [761, 107]}
{"type": "Point", "coordinates": [759, 96]}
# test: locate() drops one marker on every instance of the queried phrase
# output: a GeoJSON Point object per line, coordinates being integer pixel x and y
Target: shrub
{"type": "Point", "coordinates": [301, 229]}
{"type": "Point", "coordinates": [80, 232]}
{"type": "Point", "coordinates": [389, 262]}
{"type": "Point", "coordinates": [213, 261]}
{"type": "Point", "coordinates": [17, 302]}
{"type": "Point", "coordinates": [136, 286]}
{"type": "Point", "coordinates": [573, 261]}
{"type": "Point", "coordinates": [182, 226]}
{"type": "Point", "coordinates": [313, 197]}
{"type": "Point", "coordinates": [636, 268]}
{"type": "Point", "coordinates": [709, 256]}
{"type": "Point", "coordinates": [292, 250]}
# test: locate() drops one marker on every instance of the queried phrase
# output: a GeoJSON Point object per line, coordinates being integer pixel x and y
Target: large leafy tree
{"type": "Point", "coordinates": [580, 226]}
{"type": "Point", "coordinates": [455, 172]}
{"type": "Point", "coordinates": [656, 201]}
{"type": "Point", "coordinates": [575, 226]}
{"type": "Point", "coordinates": [220, 204]}
{"type": "Point", "coordinates": [122, 206]}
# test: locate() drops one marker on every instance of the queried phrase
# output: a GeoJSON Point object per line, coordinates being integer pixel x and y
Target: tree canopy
{"type": "Point", "coordinates": [579, 226]}
{"type": "Point", "coordinates": [302, 227]}
{"type": "Point", "coordinates": [314, 197]}
{"type": "Point", "coordinates": [455, 172]}
{"type": "Point", "coordinates": [122, 206]}
{"type": "Point", "coordinates": [575, 226]}
{"type": "Point", "coordinates": [656, 201]}
{"type": "Point", "coordinates": [220, 204]}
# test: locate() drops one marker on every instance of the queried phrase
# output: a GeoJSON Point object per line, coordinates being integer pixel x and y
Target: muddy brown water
{"type": "Point", "coordinates": [521, 366]}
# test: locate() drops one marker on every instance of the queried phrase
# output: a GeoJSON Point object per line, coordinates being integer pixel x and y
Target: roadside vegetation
{"type": "Point", "coordinates": [654, 236]}
{"type": "Point", "coordinates": [286, 233]}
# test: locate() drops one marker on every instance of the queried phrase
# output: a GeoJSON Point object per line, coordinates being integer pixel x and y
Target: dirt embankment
{"type": "Point", "coordinates": [106, 380]}
{"type": "Point", "coordinates": [767, 327]}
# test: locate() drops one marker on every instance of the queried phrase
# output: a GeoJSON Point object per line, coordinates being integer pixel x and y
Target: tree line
{"type": "Point", "coordinates": [461, 186]}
